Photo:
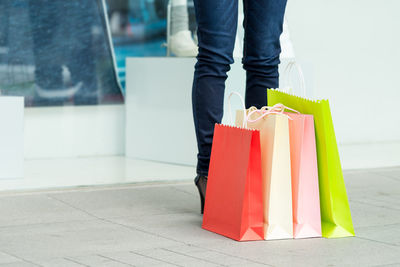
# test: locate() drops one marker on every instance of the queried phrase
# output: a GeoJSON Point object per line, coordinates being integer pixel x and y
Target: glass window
{"type": "Point", "coordinates": [139, 29]}
{"type": "Point", "coordinates": [57, 52]}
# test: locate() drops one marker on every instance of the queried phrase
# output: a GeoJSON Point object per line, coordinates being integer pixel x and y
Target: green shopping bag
{"type": "Point", "coordinates": [335, 210]}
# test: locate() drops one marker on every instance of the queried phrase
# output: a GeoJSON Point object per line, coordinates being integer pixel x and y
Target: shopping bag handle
{"type": "Point", "coordinates": [276, 109]}
{"type": "Point", "coordinates": [281, 108]}
{"type": "Point", "coordinates": [287, 81]}
{"type": "Point", "coordinates": [243, 106]}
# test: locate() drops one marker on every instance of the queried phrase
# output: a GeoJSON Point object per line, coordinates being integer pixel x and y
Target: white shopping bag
{"type": "Point", "coordinates": [276, 171]}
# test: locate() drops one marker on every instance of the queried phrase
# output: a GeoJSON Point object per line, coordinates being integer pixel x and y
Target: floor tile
{"type": "Point", "coordinates": [370, 182]}
{"type": "Point", "coordinates": [6, 258]}
{"type": "Point", "coordinates": [185, 227]}
{"type": "Point", "coordinates": [374, 189]}
{"type": "Point", "coordinates": [135, 259]}
{"type": "Point", "coordinates": [313, 252]}
{"type": "Point", "coordinates": [389, 234]}
{"type": "Point", "coordinates": [133, 202]}
{"type": "Point", "coordinates": [19, 264]}
{"type": "Point", "coordinates": [364, 214]}
{"type": "Point", "coordinates": [36, 209]}
{"type": "Point", "coordinates": [59, 262]}
{"type": "Point", "coordinates": [389, 172]}
{"type": "Point", "coordinates": [98, 261]}
{"type": "Point", "coordinates": [178, 259]}
{"type": "Point", "coordinates": [59, 240]}
{"type": "Point", "coordinates": [215, 257]}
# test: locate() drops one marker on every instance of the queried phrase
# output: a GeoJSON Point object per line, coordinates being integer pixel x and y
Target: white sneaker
{"type": "Point", "coordinates": [58, 93]}
{"type": "Point", "coordinates": [181, 44]}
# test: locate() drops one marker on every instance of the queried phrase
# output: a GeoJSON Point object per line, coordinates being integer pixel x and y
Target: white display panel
{"type": "Point", "coordinates": [159, 118]}
{"type": "Point", "coordinates": [11, 137]}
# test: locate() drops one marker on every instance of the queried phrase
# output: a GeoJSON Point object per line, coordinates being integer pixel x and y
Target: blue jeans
{"type": "Point", "coordinates": [217, 24]}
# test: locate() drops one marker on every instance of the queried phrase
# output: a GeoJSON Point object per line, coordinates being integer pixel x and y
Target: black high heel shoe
{"type": "Point", "coordinates": [201, 182]}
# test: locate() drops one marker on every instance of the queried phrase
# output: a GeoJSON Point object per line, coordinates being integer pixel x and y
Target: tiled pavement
{"type": "Point", "coordinates": [160, 225]}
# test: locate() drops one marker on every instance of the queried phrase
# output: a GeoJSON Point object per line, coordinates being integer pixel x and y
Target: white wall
{"type": "Point", "coordinates": [353, 48]}
{"type": "Point", "coordinates": [74, 131]}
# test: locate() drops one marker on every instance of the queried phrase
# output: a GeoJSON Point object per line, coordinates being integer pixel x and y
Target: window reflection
{"type": "Point", "coordinates": [56, 52]}
{"type": "Point", "coordinates": [139, 29]}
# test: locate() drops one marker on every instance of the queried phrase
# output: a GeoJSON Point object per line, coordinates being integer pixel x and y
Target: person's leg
{"type": "Point", "coordinates": [4, 22]}
{"type": "Point", "coordinates": [217, 23]}
{"type": "Point", "coordinates": [263, 22]}
{"type": "Point", "coordinates": [81, 56]}
{"type": "Point", "coordinates": [44, 23]}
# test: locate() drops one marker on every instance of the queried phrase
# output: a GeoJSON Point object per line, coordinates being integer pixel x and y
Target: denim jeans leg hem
{"type": "Point", "coordinates": [202, 172]}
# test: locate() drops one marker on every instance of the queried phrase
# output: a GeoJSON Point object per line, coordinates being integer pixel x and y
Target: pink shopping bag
{"type": "Point", "coordinates": [305, 189]}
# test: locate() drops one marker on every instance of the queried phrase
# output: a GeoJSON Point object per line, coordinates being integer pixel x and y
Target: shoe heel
{"type": "Point", "coordinates": [202, 204]}
{"type": "Point", "coordinates": [201, 200]}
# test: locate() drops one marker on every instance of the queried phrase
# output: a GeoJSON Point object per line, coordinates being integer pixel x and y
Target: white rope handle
{"type": "Point", "coordinates": [243, 106]}
{"type": "Point", "coordinates": [287, 74]}
{"type": "Point", "coordinates": [277, 109]}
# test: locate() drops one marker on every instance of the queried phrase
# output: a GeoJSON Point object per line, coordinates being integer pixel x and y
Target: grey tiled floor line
{"type": "Point", "coordinates": [160, 225]}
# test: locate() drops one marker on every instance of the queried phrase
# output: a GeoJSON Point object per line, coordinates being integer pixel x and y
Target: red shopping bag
{"type": "Point", "coordinates": [234, 206]}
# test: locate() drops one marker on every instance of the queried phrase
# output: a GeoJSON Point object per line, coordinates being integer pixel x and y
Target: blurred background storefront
{"type": "Point", "coordinates": [96, 76]}
{"type": "Point", "coordinates": [66, 60]}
